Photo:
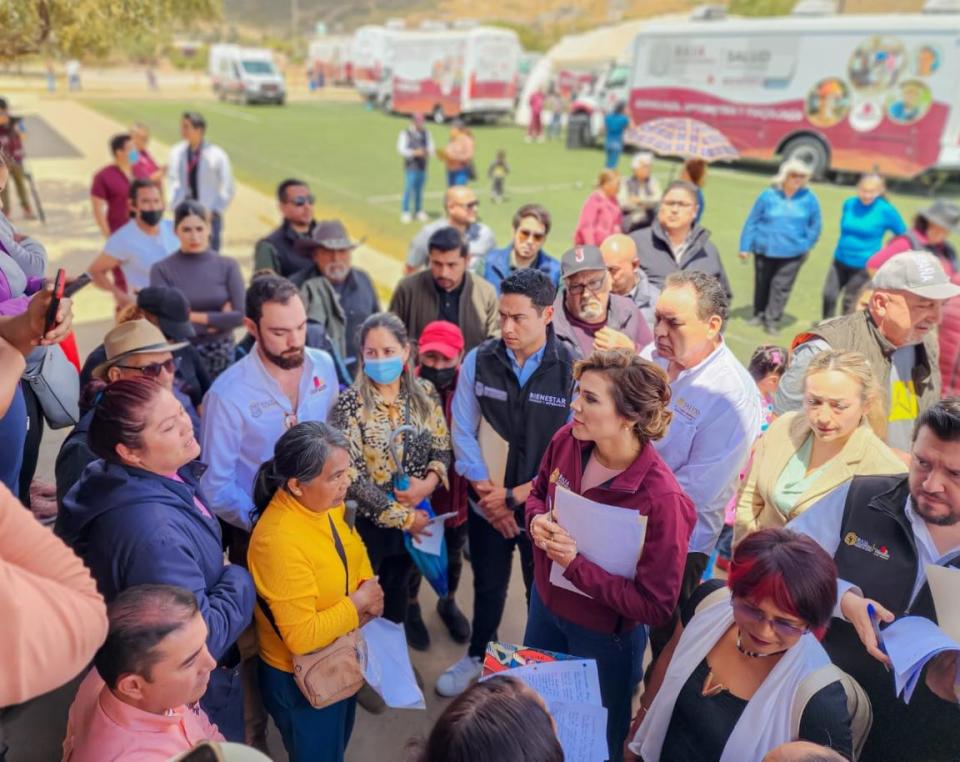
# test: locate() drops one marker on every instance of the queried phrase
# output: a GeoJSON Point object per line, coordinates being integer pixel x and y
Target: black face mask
{"type": "Point", "coordinates": [441, 378]}
{"type": "Point", "coordinates": [151, 217]}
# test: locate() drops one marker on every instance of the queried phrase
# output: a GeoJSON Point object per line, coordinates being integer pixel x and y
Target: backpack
{"type": "Point", "coordinates": [858, 704]}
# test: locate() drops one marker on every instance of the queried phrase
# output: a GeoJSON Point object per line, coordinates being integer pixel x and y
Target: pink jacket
{"type": "Point", "coordinates": [53, 617]}
{"type": "Point", "coordinates": [102, 728]}
{"type": "Point", "coordinates": [599, 218]}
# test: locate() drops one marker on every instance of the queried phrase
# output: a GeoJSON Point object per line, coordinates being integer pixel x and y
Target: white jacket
{"type": "Point", "coordinates": [214, 177]}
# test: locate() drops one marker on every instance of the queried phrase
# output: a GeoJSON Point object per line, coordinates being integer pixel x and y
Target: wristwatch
{"type": "Point", "coordinates": [509, 500]}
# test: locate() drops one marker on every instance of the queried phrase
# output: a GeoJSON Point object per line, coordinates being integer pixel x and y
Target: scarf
{"type": "Point", "coordinates": [765, 722]}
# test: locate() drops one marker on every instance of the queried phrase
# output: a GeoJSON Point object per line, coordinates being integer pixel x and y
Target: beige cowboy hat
{"type": "Point", "coordinates": [136, 337]}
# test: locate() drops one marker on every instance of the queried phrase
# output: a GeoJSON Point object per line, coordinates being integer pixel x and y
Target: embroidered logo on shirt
{"type": "Point", "coordinates": [855, 541]}
{"type": "Point", "coordinates": [318, 385]}
{"type": "Point", "coordinates": [685, 409]}
{"type": "Point", "coordinates": [548, 399]}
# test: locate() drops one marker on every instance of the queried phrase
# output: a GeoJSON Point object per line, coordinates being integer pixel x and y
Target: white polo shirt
{"type": "Point", "coordinates": [716, 416]}
{"type": "Point", "coordinates": [244, 414]}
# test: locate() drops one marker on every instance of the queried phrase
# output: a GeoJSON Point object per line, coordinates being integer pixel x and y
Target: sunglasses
{"type": "Point", "coordinates": [525, 234]}
{"type": "Point", "coordinates": [471, 205]}
{"type": "Point", "coordinates": [780, 626]}
{"type": "Point", "coordinates": [154, 369]}
{"type": "Point", "coordinates": [595, 286]}
{"type": "Point", "coordinates": [302, 200]}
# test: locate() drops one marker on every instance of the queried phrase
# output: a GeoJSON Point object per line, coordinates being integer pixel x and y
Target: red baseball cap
{"type": "Point", "coordinates": [443, 337]}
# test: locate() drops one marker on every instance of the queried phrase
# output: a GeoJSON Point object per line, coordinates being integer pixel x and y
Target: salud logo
{"type": "Point", "coordinates": [855, 541]}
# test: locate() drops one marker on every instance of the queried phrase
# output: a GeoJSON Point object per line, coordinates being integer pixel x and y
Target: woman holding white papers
{"type": "Point", "coordinates": [593, 595]}
{"type": "Point", "coordinates": [314, 582]}
{"type": "Point", "coordinates": [726, 684]}
{"type": "Point", "coordinates": [804, 455]}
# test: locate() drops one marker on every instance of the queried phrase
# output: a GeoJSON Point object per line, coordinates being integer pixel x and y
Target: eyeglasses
{"type": "Point", "coordinates": [154, 369]}
{"type": "Point", "coordinates": [677, 204]}
{"type": "Point", "coordinates": [302, 200]}
{"type": "Point", "coordinates": [471, 205]}
{"type": "Point", "coordinates": [594, 286]}
{"type": "Point", "coordinates": [796, 176]}
{"type": "Point", "coordinates": [525, 234]}
{"type": "Point", "coordinates": [782, 627]}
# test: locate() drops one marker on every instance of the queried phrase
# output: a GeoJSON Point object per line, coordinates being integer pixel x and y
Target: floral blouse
{"type": "Point", "coordinates": [372, 468]}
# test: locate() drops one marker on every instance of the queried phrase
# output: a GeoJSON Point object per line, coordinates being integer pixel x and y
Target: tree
{"type": "Point", "coordinates": [91, 27]}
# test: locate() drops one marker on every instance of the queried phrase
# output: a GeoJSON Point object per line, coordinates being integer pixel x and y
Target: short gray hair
{"type": "Point", "coordinates": [711, 297]}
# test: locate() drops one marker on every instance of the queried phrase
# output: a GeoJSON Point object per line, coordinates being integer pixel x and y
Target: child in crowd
{"type": "Point", "coordinates": [767, 366]}
{"type": "Point", "coordinates": [498, 177]}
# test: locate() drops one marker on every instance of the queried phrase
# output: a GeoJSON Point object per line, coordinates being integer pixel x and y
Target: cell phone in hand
{"type": "Point", "coordinates": [58, 285]}
{"type": "Point", "coordinates": [77, 283]}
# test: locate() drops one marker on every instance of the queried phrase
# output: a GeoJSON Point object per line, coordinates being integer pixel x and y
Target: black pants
{"type": "Point", "coordinates": [455, 538]}
{"type": "Point", "coordinates": [692, 572]}
{"type": "Point", "coordinates": [849, 280]}
{"type": "Point", "coordinates": [392, 563]}
{"type": "Point", "coordinates": [491, 556]}
{"type": "Point", "coordinates": [773, 281]}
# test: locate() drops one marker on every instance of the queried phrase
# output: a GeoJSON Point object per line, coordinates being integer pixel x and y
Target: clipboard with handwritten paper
{"type": "Point", "coordinates": [609, 536]}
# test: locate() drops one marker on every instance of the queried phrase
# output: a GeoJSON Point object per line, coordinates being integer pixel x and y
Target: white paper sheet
{"type": "Point", "coordinates": [431, 544]}
{"type": "Point", "coordinates": [582, 730]}
{"type": "Point", "coordinates": [910, 643]}
{"type": "Point", "coordinates": [945, 588]}
{"type": "Point", "coordinates": [566, 682]}
{"type": "Point", "coordinates": [609, 536]}
{"type": "Point", "coordinates": [388, 670]}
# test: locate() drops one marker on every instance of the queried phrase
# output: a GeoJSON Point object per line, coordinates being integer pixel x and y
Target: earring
{"type": "Point", "coordinates": [298, 493]}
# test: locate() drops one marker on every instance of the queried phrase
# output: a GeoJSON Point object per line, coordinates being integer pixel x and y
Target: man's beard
{"type": "Point", "coordinates": [590, 311]}
{"type": "Point", "coordinates": [947, 520]}
{"type": "Point", "coordinates": [292, 358]}
{"type": "Point", "coordinates": [337, 273]}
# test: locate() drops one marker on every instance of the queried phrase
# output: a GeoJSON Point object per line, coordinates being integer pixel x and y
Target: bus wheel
{"type": "Point", "coordinates": [438, 116]}
{"type": "Point", "coordinates": [811, 151]}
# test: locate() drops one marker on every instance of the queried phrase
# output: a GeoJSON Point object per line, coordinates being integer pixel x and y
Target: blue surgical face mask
{"type": "Point", "coordinates": [383, 371]}
{"type": "Point", "coordinates": [133, 156]}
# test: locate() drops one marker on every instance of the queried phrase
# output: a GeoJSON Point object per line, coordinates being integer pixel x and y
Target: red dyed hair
{"type": "Point", "coordinates": [790, 570]}
{"type": "Point", "coordinates": [120, 415]}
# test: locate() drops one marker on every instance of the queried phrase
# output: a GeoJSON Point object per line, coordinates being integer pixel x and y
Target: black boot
{"type": "Point", "coordinates": [454, 619]}
{"type": "Point", "coordinates": [418, 638]}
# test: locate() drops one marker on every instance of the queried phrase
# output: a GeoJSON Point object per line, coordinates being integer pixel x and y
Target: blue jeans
{"type": "Point", "coordinates": [13, 434]}
{"type": "Point", "coordinates": [457, 177]}
{"type": "Point", "coordinates": [613, 151]}
{"type": "Point", "coordinates": [216, 230]}
{"type": "Point", "coordinates": [413, 180]}
{"type": "Point", "coordinates": [309, 735]}
{"type": "Point", "coordinates": [619, 662]}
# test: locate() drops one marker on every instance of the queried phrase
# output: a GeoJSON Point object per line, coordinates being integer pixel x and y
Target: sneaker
{"type": "Point", "coordinates": [771, 330]}
{"type": "Point", "coordinates": [405, 218]}
{"type": "Point", "coordinates": [423, 216]}
{"type": "Point", "coordinates": [418, 638]}
{"type": "Point", "coordinates": [755, 320]}
{"type": "Point", "coordinates": [457, 678]}
{"type": "Point", "coordinates": [454, 619]}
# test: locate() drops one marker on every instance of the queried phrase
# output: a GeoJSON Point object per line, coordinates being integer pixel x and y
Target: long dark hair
{"type": "Point", "coordinates": [301, 453]}
{"type": "Point", "coordinates": [497, 720]}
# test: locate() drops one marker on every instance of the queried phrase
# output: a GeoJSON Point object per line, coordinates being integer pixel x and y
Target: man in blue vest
{"type": "Point", "coordinates": [883, 532]}
{"type": "Point", "coordinates": [513, 394]}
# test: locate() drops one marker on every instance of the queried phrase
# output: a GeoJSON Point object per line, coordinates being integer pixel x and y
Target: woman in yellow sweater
{"type": "Point", "coordinates": [806, 454]}
{"type": "Point", "coordinates": [313, 581]}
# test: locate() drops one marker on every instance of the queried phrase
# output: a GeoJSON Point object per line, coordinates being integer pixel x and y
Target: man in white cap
{"type": "Point", "coordinates": [896, 333]}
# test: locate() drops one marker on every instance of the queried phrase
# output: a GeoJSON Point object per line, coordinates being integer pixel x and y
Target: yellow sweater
{"type": "Point", "coordinates": [297, 571]}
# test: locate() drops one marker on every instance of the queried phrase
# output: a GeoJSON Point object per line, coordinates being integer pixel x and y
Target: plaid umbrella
{"type": "Point", "coordinates": [686, 138]}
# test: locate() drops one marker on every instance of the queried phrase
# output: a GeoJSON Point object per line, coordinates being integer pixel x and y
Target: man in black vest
{"type": "Point", "coordinates": [513, 394]}
{"type": "Point", "coordinates": [883, 532]}
{"type": "Point", "coordinates": [278, 251]}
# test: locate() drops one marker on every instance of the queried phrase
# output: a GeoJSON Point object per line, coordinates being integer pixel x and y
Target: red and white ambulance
{"type": "Point", "coordinates": [471, 73]}
{"type": "Point", "coordinates": [850, 93]}
{"type": "Point", "coordinates": [369, 51]}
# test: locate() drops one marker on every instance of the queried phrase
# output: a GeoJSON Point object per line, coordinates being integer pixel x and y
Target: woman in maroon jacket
{"type": "Point", "coordinates": [607, 456]}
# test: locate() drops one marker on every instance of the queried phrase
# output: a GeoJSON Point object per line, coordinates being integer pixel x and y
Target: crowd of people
{"type": "Point", "coordinates": [250, 463]}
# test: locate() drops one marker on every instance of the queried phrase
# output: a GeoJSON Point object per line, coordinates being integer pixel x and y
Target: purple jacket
{"type": "Point", "coordinates": [648, 487]}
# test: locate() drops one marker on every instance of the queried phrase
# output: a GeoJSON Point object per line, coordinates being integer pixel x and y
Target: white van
{"type": "Point", "coordinates": [248, 75]}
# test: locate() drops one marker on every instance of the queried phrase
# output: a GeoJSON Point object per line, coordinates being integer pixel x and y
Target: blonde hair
{"type": "Point", "coordinates": [856, 366]}
{"type": "Point", "coordinates": [606, 176]}
{"type": "Point", "coordinates": [791, 167]}
{"type": "Point", "coordinates": [640, 389]}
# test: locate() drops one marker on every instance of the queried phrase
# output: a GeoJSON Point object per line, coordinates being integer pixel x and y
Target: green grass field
{"type": "Point", "coordinates": [347, 154]}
